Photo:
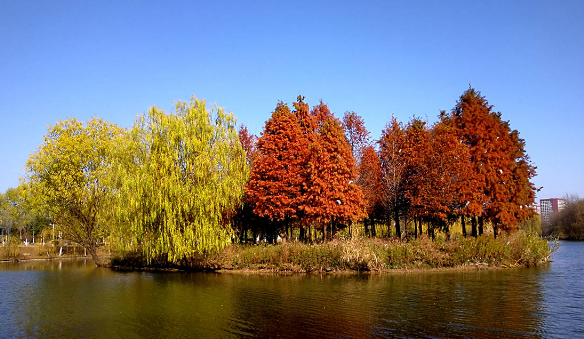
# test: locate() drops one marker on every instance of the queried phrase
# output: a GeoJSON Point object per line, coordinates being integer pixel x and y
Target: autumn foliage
{"type": "Point", "coordinates": [303, 172]}
{"type": "Point", "coordinates": [311, 171]}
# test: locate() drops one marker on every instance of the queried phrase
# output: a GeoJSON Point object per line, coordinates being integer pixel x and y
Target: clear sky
{"type": "Point", "coordinates": [116, 59]}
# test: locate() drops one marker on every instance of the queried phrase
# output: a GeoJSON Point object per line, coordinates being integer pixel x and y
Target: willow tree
{"type": "Point", "coordinates": [180, 174]}
{"type": "Point", "coordinates": [67, 179]}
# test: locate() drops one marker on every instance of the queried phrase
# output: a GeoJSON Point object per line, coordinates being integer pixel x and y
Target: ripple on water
{"type": "Point", "coordinates": [82, 301]}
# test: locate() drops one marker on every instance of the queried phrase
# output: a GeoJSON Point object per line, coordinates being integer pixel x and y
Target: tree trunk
{"type": "Point", "coordinates": [473, 223]}
{"type": "Point", "coordinates": [92, 249]}
{"type": "Point", "coordinates": [481, 225]}
{"type": "Point", "coordinates": [302, 234]}
{"type": "Point", "coordinates": [495, 230]}
{"type": "Point", "coordinates": [242, 235]}
{"type": "Point", "coordinates": [416, 228]}
{"type": "Point", "coordinates": [447, 230]}
{"type": "Point", "coordinates": [420, 227]}
{"type": "Point", "coordinates": [463, 222]}
{"type": "Point", "coordinates": [366, 225]}
{"type": "Point", "coordinates": [324, 233]}
{"type": "Point", "coordinates": [396, 220]}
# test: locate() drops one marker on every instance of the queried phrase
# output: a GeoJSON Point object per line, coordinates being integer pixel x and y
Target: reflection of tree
{"type": "Point", "coordinates": [100, 303]}
{"type": "Point", "coordinates": [462, 304]}
{"type": "Point", "coordinates": [84, 301]}
{"type": "Point", "coordinates": [301, 306]}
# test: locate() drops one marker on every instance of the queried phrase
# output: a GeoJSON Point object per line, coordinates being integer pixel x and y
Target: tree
{"type": "Point", "coordinates": [276, 183]}
{"type": "Point", "coordinates": [180, 173]}
{"type": "Point", "coordinates": [416, 181]}
{"type": "Point", "coordinates": [248, 142]}
{"type": "Point", "coordinates": [569, 222]}
{"type": "Point", "coordinates": [331, 196]}
{"type": "Point", "coordinates": [303, 170]}
{"type": "Point", "coordinates": [502, 189]}
{"type": "Point", "coordinates": [448, 175]}
{"type": "Point", "coordinates": [67, 179]}
{"type": "Point", "coordinates": [14, 211]}
{"type": "Point", "coordinates": [393, 165]}
{"type": "Point", "coordinates": [356, 133]}
{"type": "Point", "coordinates": [370, 181]}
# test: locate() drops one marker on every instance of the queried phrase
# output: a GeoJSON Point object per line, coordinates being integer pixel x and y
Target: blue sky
{"type": "Point", "coordinates": [116, 59]}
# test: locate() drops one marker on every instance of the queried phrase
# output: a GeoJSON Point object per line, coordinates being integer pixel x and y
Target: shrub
{"type": "Point", "coordinates": [366, 254]}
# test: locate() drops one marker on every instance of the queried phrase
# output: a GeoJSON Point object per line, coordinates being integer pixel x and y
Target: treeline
{"type": "Point", "coordinates": [180, 185]}
{"type": "Point", "coordinates": [313, 172]}
{"type": "Point", "coordinates": [569, 222]}
{"type": "Point", "coordinates": [163, 187]}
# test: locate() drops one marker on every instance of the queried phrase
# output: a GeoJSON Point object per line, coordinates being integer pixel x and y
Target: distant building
{"type": "Point", "coordinates": [536, 208]}
{"type": "Point", "coordinates": [549, 207]}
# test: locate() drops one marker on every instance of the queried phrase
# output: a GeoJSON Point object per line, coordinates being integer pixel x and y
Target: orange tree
{"type": "Point", "coordinates": [276, 185]}
{"type": "Point", "coordinates": [501, 169]}
{"type": "Point", "coordinates": [356, 133]}
{"type": "Point", "coordinates": [393, 166]}
{"type": "Point", "coordinates": [416, 181]}
{"type": "Point", "coordinates": [303, 171]}
{"type": "Point", "coordinates": [370, 181]}
{"type": "Point", "coordinates": [332, 197]}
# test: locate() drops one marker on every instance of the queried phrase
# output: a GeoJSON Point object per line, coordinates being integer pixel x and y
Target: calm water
{"type": "Point", "coordinates": [72, 299]}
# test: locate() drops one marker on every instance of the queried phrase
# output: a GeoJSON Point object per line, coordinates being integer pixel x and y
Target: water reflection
{"type": "Point", "coordinates": [75, 299]}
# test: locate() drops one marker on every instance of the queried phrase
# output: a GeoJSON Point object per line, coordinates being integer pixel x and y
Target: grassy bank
{"type": "Point", "coordinates": [367, 254]}
{"type": "Point", "coordinates": [17, 250]}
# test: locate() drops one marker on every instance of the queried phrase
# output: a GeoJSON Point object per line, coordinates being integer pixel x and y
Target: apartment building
{"type": "Point", "coordinates": [549, 207]}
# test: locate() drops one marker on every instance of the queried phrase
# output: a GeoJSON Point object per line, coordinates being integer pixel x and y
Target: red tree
{"type": "Point", "coordinates": [278, 176]}
{"type": "Point", "coordinates": [356, 133]}
{"type": "Point", "coordinates": [332, 197]}
{"type": "Point", "coordinates": [303, 170]}
{"type": "Point", "coordinates": [393, 165]}
{"type": "Point", "coordinates": [449, 173]}
{"type": "Point", "coordinates": [370, 182]}
{"type": "Point", "coordinates": [501, 169]}
{"type": "Point", "coordinates": [248, 141]}
{"type": "Point", "coordinates": [416, 181]}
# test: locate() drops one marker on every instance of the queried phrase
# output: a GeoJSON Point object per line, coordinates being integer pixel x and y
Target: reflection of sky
{"type": "Point", "coordinates": [81, 59]}
{"type": "Point", "coordinates": [13, 285]}
{"type": "Point", "coordinates": [563, 291]}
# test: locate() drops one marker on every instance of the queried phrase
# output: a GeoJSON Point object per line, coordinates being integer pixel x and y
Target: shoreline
{"type": "Point", "coordinates": [353, 256]}
{"type": "Point", "coordinates": [470, 267]}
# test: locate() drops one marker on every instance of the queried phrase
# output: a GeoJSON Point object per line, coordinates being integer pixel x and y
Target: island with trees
{"type": "Point", "coordinates": [192, 190]}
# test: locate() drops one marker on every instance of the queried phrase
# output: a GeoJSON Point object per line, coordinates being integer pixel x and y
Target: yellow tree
{"type": "Point", "coordinates": [180, 173]}
{"type": "Point", "coordinates": [66, 178]}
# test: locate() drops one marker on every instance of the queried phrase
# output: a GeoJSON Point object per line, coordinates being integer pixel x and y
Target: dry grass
{"type": "Point", "coordinates": [373, 254]}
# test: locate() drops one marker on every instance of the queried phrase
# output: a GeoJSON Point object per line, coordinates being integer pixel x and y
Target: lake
{"type": "Point", "coordinates": [73, 299]}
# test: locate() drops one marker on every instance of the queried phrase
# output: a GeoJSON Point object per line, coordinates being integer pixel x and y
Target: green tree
{"type": "Point", "coordinates": [569, 222]}
{"type": "Point", "coordinates": [179, 175]}
{"type": "Point", "coordinates": [67, 176]}
{"type": "Point", "coordinates": [532, 225]}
